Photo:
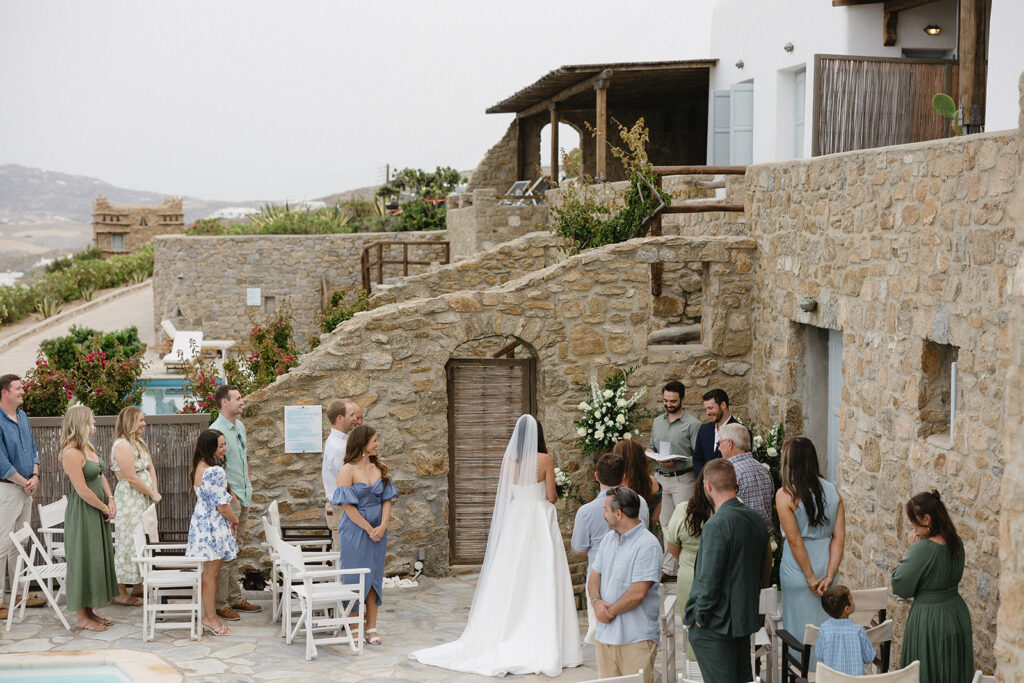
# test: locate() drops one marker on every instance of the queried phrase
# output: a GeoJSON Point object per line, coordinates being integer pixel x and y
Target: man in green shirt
{"type": "Point", "coordinates": [679, 429]}
{"type": "Point", "coordinates": [230, 403]}
{"type": "Point", "coordinates": [721, 612]}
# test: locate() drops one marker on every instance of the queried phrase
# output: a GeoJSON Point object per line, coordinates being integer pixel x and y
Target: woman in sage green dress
{"type": "Point", "coordinates": [91, 581]}
{"type": "Point", "coordinates": [938, 632]}
{"type": "Point", "coordinates": [136, 488]}
{"type": "Point", "coordinates": [683, 539]}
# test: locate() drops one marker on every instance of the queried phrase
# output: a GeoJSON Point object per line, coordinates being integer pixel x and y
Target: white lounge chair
{"type": "Point", "coordinates": [186, 345]}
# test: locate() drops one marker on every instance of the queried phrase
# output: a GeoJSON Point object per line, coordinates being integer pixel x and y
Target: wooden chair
{"type": "Point", "coordinates": [323, 559]}
{"type": "Point", "coordinates": [51, 527]}
{"type": "Point", "coordinates": [910, 674]}
{"type": "Point", "coordinates": [796, 666]}
{"type": "Point", "coordinates": [26, 571]}
{"type": "Point", "coordinates": [321, 589]}
{"type": "Point", "coordinates": [872, 605]}
{"type": "Point", "coordinates": [171, 585]}
{"type": "Point", "coordinates": [667, 620]}
{"type": "Point", "coordinates": [765, 644]}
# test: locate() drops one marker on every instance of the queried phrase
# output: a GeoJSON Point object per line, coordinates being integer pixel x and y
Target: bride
{"type": "Point", "coordinates": [523, 618]}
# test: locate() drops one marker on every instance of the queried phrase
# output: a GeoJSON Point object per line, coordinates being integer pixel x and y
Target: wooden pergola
{"type": "Point", "coordinates": [972, 49]}
{"type": "Point", "coordinates": [671, 96]}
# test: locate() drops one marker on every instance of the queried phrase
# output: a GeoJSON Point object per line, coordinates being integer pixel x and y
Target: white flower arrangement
{"type": "Point", "coordinates": [565, 486]}
{"type": "Point", "coordinates": [610, 415]}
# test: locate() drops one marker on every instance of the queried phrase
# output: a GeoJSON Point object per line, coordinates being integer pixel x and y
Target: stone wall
{"type": "Point", "coordinates": [497, 170]}
{"type": "Point", "coordinates": [478, 221]}
{"type": "Point", "coordinates": [587, 314]}
{"type": "Point", "coordinates": [908, 251]}
{"type": "Point", "coordinates": [484, 270]}
{"type": "Point", "coordinates": [200, 283]}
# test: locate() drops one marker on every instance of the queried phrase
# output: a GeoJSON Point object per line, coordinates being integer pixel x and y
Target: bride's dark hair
{"type": "Point", "coordinates": [541, 446]}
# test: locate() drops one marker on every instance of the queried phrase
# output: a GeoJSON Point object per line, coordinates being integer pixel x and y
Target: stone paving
{"type": "Point", "coordinates": [410, 618]}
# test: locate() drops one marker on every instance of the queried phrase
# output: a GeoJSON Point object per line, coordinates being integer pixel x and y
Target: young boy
{"type": "Point", "coordinates": [842, 645]}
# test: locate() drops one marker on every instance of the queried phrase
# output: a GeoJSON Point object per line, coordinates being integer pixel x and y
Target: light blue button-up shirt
{"type": "Point", "coordinates": [590, 527]}
{"type": "Point", "coordinates": [622, 561]}
{"type": "Point", "coordinates": [17, 446]}
{"type": "Point", "coordinates": [236, 461]}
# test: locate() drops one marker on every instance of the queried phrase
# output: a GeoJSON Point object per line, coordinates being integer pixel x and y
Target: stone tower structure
{"type": "Point", "coordinates": [125, 229]}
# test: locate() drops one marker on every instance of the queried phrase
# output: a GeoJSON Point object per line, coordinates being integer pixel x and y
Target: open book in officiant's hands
{"type": "Point", "coordinates": [665, 458]}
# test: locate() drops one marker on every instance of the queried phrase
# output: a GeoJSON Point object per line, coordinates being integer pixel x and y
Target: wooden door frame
{"type": "Point", "coordinates": [529, 390]}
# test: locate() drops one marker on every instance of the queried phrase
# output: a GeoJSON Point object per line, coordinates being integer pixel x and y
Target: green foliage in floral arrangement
{"type": "Point", "coordinates": [609, 416]}
{"type": "Point", "coordinates": [201, 381]}
{"type": "Point", "coordinates": [107, 384]}
{"type": "Point", "coordinates": [338, 311]}
{"type": "Point", "coordinates": [48, 390]}
{"type": "Point", "coordinates": [63, 352]}
{"type": "Point", "coordinates": [272, 352]}
{"type": "Point", "coordinates": [586, 219]}
{"type": "Point", "coordinates": [566, 487]}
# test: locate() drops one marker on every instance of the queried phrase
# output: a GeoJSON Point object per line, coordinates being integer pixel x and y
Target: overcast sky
{"type": "Point", "coordinates": [262, 99]}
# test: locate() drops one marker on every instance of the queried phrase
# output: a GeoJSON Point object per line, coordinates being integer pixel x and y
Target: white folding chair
{"type": "Point", "coordinates": [908, 674]}
{"type": "Point", "coordinates": [638, 677]}
{"type": "Point", "coordinates": [766, 641]}
{"type": "Point", "coordinates": [324, 559]}
{"type": "Point", "coordinates": [321, 590]}
{"type": "Point", "coordinates": [51, 527]}
{"type": "Point", "coordinates": [170, 586]}
{"type": "Point", "coordinates": [689, 671]}
{"type": "Point", "coordinates": [667, 622]}
{"type": "Point", "coordinates": [979, 677]}
{"type": "Point", "coordinates": [26, 571]}
{"type": "Point", "coordinates": [307, 542]}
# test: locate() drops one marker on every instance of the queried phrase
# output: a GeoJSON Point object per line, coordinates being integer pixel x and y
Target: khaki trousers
{"type": "Point", "coordinates": [623, 660]}
{"type": "Point", "coordinates": [332, 517]}
{"type": "Point", "coordinates": [229, 590]}
{"type": "Point", "coordinates": [15, 510]}
{"type": "Point", "coordinates": [674, 491]}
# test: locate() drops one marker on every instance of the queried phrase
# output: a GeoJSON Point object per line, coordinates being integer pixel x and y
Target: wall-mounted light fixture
{"type": "Point", "coordinates": [933, 29]}
{"type": "Point", "coordinates": [739, 63]}
{"type": "Point", "coordinates": [788, 47]}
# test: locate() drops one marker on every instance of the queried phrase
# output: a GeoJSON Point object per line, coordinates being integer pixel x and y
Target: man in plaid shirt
{"type": "Point", "coordinates": [755, 482]}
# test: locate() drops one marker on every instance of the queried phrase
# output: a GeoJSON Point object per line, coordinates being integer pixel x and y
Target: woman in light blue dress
{"type": "Point", "coordinates": [211, 530]}
{"type": "Point", "coordinates": [365, 492]}
{"type": "Point", "coordinates": [813, 523]}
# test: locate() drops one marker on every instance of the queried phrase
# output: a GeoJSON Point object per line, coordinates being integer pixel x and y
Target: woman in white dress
{"type": "Point", "coordinates": [523, 618]}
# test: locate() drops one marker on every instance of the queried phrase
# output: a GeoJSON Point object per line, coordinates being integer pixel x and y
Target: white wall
{"type": "Point", "coordinates": [1005, 63]}
{"type": "Point", "coordinates": [755, 31]}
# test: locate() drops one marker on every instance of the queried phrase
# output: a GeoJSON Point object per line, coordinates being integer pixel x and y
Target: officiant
{"type": "Point", "coordinates": [677, 430]}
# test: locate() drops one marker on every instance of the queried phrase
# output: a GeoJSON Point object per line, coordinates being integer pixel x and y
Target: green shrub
{"type": "Point", "coordinates": [338, 312]}
{"type": "Point", "coordinates": [62, 352]}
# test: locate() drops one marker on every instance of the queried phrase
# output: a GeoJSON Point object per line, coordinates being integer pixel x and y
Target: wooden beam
{"type": "Point", "coordinates": [900, 5]}
{"type": "Point", "coordinates": [852, 3]}
{"type": "Point", "coordinates": [700, 170]}
{"type": "Point", "coordinates": [973, 52]}
{"type": "Point", "coordinates": [703, 208]}
{"type": "Point", "coordinates": [554, 145]}
{"type": "Point", "coordinates": [601, 90]}
{"type": "Point", "coordinates": [889, 28]}
{"type": "Point", "coordinates": [580, 87]}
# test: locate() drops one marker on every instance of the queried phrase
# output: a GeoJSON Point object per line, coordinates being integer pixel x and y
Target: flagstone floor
{"type": "Point", "coordinates": [410, 618]}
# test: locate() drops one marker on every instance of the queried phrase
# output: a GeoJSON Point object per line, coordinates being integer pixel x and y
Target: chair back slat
{"type": "Point", "coordinates": [289, 554]}
{"type": "Point", "coordinates": [53, 514]}
{"type": "Point", "coordinates": [810, 634]}
{"type": "Point", "coordinates": [274, 515]}
{"type": "Point", "coordinates": [881, 633]}
{"type": "Point", "coordinates": [872, 604]}
{"type": "Point", "coordinates": [151, 524]}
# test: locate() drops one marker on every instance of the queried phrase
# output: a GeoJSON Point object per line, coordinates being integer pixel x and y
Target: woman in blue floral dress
{"type": "Point", "coordinates": [211, 531]}
{"type": "Point", "coordinates": [365, 492]}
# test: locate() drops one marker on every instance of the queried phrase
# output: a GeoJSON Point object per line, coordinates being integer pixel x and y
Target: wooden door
{"type": "Point", "coordinates": [485, 398]}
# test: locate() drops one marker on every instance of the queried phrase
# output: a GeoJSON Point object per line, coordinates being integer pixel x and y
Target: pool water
{"type": "Point", "coordinates": [83, 673]}
{"type": "Point", "coordinates": [162, 396]}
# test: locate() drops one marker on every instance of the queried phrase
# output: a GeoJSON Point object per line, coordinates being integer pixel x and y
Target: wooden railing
{"type": "Point", "coordinates": [654, 224]}
{"type": "Point", "coordinates": [373, 258]}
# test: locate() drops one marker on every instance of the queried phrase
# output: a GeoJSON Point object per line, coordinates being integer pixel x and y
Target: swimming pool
{"type": "Point", "coordinates": [109, 666]}
{"type": "Point", "coordinates": [102, 673]}
{"type": "Point", "coordinates": [162, 396]}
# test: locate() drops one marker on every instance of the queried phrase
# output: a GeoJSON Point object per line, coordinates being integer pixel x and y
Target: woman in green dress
{"type": "Point", "coordinates": [683, 538]}
{"type": "Point", "coordinates": [91, 581]}
{"type": "Point", "coordinates": [938, 632]}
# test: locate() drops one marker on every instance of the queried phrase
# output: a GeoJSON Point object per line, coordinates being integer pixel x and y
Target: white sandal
{"type": "Point", "coordinates": [374, 639]}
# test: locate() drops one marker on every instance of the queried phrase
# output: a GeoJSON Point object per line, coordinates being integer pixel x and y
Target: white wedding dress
{"type": "Point", "coordinates": [523, 618]}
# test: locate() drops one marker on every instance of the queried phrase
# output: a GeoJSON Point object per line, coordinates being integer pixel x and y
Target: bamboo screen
{"type": "Point", "coordinates": [870, 102]}
{"type": "Point", "coordinates": [171, 440]}
{"type": "Point", "coordinates": [486, 397]}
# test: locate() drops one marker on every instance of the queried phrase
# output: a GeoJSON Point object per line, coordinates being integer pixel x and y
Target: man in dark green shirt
{"type": "Point", "coordinates": [722, 610]}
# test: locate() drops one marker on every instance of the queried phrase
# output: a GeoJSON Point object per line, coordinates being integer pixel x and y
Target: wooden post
{"type": "Point", "coordinates": [973, 54]}
{"type": "Point", "coordinates": [601, 86]}
{"type": "Point", "coordinates": [405, 258]}
{"type": "Point", "coordinates": [380, 263]}
{"type": "Point", "coordinates": [554, 145]}
{"type": "Point", "coordinates": [657, 267]}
